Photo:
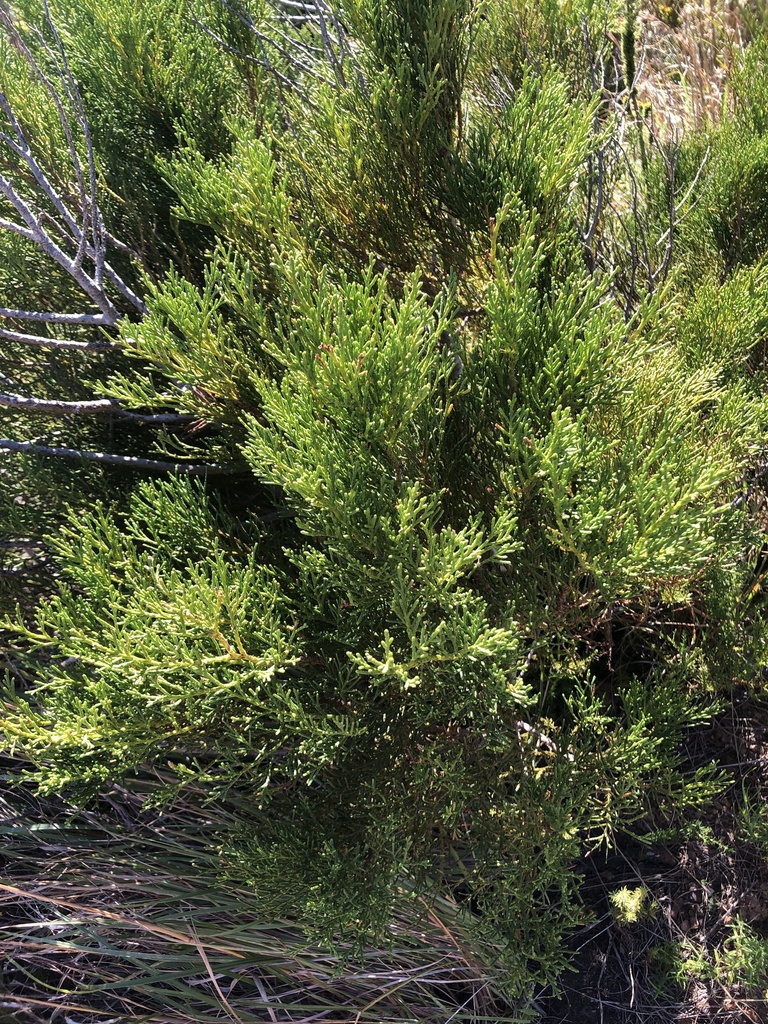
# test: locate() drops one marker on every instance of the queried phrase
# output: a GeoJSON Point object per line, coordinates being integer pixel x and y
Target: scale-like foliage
{"type": "Point", "coordinates": [443, 626]}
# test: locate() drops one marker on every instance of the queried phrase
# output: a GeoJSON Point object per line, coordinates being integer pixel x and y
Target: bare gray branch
{"type": "Point", "coordinates": [40, 341]}
{"type": "Point", "coordinates": [126, 461]}
{"type": "Point", "coordinates": [75, 237]}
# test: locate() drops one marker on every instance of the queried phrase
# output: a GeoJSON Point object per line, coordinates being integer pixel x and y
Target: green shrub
{"type": "Point", "coordinates": [441, 617]}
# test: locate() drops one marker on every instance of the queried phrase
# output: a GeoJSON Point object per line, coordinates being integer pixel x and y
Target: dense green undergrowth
{"type": "Point", "coordinates": [445, 374]}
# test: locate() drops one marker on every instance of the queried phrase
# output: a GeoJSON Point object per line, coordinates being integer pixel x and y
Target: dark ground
{"type": "Point", "coordinates": [704, 886]}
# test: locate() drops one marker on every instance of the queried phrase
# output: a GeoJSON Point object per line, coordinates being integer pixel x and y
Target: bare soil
{"type": "Point", "coordinates": [702, 886]}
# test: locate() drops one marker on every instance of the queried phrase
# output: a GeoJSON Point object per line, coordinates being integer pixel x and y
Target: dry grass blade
{"type": "Point", "coordinates": [119, 914]}
{"type": "Point", "coordinates": [686, 61]}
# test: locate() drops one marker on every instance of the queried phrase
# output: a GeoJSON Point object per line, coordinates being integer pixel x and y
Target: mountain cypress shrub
{"type": "Point", "coordinates": [436, 612]}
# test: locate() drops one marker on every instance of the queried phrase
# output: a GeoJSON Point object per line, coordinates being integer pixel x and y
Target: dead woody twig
{"type": "Point", "coordinates": [66, 224]}
{"type": "Point", "coordinates": [75, 240]}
